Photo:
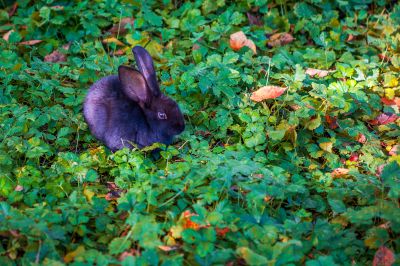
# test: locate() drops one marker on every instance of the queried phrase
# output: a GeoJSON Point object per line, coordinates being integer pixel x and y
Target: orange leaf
{"type": "Point", "coordinates": [383, 257]}
{"type": "Point", "coordinates": [238, 39]}
{"type": "Point", "coordinates": [318, 72]}
{"type": "Point", "coordinates": [31, 42]}
{"type": "Point", "coordinates": [267, 92]}
{"type": "Point", "coordinates": [339, 172]}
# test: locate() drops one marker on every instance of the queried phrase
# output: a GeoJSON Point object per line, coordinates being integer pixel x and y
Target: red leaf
{"type": "Point", "coordinates": [395, 101]}
{"type": "Point", "coordinates": [353, 157]}
{"type": "Point", "coordinates": [11, 12]}
{"type": "Point", "coordinates": [332, 121]}
{"type": "Point", "coordinates": [222, 231]}
{"type": "Point", "coordinates": [384, 118]}
{"type": "Point", "coordinates": [383, 257]}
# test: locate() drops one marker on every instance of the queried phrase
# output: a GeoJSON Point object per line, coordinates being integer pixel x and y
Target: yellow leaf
{"type": "Point", "coordinates": [326, 146]}
{"type": "Point", "coordinates": [88, 194]}
{"type": "Point", "coordinates": [71, 255]}
{"type": "Point", "coordinates": [113, 40]}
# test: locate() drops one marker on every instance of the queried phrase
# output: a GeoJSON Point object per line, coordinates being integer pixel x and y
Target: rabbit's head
{"type": "Point", "coordinates": [161, 112]}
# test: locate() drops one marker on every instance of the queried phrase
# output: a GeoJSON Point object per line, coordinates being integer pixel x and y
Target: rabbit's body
{"type": "Point", "coordinates": [122, 110]}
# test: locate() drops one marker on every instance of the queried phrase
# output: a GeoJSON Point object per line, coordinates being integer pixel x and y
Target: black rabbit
{"type": "Point", "coordinates": [130, 108]}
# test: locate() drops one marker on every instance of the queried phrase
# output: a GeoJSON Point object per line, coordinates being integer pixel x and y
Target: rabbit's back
{"type": "Point", "coordinates": [111, 116]}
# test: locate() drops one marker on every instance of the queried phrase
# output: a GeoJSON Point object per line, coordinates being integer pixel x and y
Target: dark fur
{"type": "Point", "coordinates": [120, 115]}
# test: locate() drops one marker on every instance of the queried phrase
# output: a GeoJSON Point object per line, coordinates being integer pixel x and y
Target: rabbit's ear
{"type": "Point", "coordinates": [146, 67]}
{"type": "Point", "coordinates": [133, 84]}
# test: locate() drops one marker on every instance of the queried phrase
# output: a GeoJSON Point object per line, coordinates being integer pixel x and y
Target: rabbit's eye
{"type": "Point", "coordinates": [161, 116]}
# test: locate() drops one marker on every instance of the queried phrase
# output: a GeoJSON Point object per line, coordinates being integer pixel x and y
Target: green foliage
{"type": "Point", "coordinates": [246, 182]}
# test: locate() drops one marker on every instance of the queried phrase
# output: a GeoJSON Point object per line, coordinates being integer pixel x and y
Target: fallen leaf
{"type": "Point", "coordinates": [168, 248]}
{"type": "Point", "coordinates": [384, 57]}
{"type": "Point", "coordinates": [326, 146]}
{"type": "Point", "coordinates": [11, 12]}
{"type": "Point", "coordinates": [88, 194]}
{"type": "Point", "coordinates": [57, 8]}
{"type": "Point", "coordinates": [353, 157]}
{"type": "Point", "coordinates": [379, 169]}
{"type": "Point", "coordinates": [318, 72]}
{"type": "Point", "coordinates": [238, 40]}
{"type": "Point", "coordinates": [222, 231]}
{"type": "Point", "coordinates": [55, 57]}
{"type": "Point", "coordinates": [332, 121]}
{"type": "Point", "coordinates": [383, 257]}
{"type": "Point", "coordinates": [384, 119]}
{"type": "Point", "coordinates": [19, 188]}
{"type": "Point", "coordinates": [395, 101]}
{"type": "Point", "coordinates": [339, 172]}
{"type": "Point", "coordinates": [31, 42]}
{"type": "Point", "coordinates": [121, 25]}
{"type": "Point", "coordinates": [350, 38]}
{"type": "Point", "coordinates": [251, 45]}
{"type": "Point", "coordinates": [113, 40]}
{"type": "Point", "coordinates": [279, 39]}
{"type": "Point", "coordinates": [394, 150]}
{"type": "Point", "coordinates": [267, 92]}
{"type": "Point", "coordinates": [361, 138]}
{"type": "Point", "coordinates": [254, 19]}
{"type": "Point", "coordinates": [6, 35]}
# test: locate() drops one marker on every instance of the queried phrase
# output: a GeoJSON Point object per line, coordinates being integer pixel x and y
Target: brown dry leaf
{"type": "Point", "coordinates": [383, 257]}
{"type": "Point", "coordinates": [55, 57]}
{"type": "Point", "coordinates": [339, 172]}
{"type": "Point", "coordinates": [267, 92]}
{"type": "Point", "coordinates": [31, 42]}
{"type": "Point", "coordinates": [113, 40]}
{"type": "Point", "coordinates": [121, 25]}
{"type": "Point", "coordinates": [11, 12]}
{"type": "Point", "coordinates": [279, 39]}
{"type": "Point", "coordinates": [254, 19]}
{"type": "Point", "coordinates": [6, 35]}
{"type": "Point", "coordinates": [238, 39]}
{"type": "Point", "coordinates": [318, 72]}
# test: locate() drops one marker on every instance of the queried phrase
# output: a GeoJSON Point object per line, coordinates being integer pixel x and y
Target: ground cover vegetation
{"type": "Point", "coordinates": [290, 154]}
